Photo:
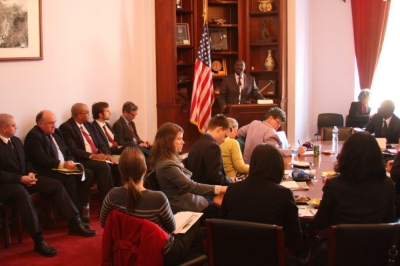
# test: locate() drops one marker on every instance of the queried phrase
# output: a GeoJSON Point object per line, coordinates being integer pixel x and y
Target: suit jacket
{"type": "Point", "coordinates": [38, 150]}
{"type": "Point", "coordinates": [393, 131]}
{"type": "Point", "coordinates": [350, 202]}
{"type": "Point", "coordinates": [122, 134]}
{"type": "Point", "coordinates": [74, 139]}
{"type": "Point", "coordinates": [259, 200]}
{"type": "Point", "coordinates": [229, 93]}
{"type": "Point", "coordinates": [13, 167]}
{"type": "Point", "coordinates": [104, 139]}
{"type": "Point", "coordinates": [356, 117]}
{"type": "Point", "coordinates": [205, 162]}
{"type": "Point", "coordinates": [183, 193]}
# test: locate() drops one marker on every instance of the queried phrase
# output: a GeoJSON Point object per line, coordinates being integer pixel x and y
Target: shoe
{"type": "Point", "coordinates": [84, 219]}
{"type": "Point", "coordinates": [43, 248]}
{"type": "Point", "coordinates": [81, 230]}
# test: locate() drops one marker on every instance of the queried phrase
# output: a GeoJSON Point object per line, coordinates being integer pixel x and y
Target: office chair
{"type": "Point", "coordinates": [344, 133]}
{"type": "Point", "coordinates": [329, 120]}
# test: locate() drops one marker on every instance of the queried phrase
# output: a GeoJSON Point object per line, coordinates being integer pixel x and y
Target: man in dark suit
{"type": "Point", "coordinates": [385, 124]}
{"type": "Point", "coordinates": [46, 150]}
{"type": "Point", "coordinates": [84, 142]}
{"type": "Point", "coordinates": [17, 178]}
{"type": "Point", "coordinates": [125, 129]}
{"type": "Point", "coordinates": [204, 159]}
{"type": "Point", "coordinates": [238, 87]}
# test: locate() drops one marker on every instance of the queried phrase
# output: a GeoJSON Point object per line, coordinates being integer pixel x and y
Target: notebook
{"type": "Point", "coordinates": [283, 139]}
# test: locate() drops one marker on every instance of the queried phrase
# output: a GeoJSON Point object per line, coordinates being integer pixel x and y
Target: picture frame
{"type": "Point", "coordinates": [218, 39]}
{"type": "Point", "coordinates": [21, 31]}
{"type": "Point", "coordinates": [218, 67]}
{"type": "Point", "coordinates": [182, 34]}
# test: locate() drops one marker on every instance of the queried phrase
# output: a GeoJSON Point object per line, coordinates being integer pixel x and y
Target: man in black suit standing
{"type": "Point", "coordinates": [385, 124]}
{"type": "Point", "coordinates": [84, 142]}
{"type": "Point", "coordinates": [238, 87]}
{"type": "Point", "coordinates": [46, 150]}
{"type": "Point", "coordinates": [18, 179]}
{"type": "Point", "coordinates": [204, 159]}
{"type": "Point", "coordinates": [125, 129]}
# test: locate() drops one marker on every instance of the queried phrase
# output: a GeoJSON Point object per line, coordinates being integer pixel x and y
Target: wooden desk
{"type": "Point", "coordinates": [322, 163]}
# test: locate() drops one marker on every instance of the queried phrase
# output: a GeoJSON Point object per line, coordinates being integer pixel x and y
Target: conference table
{"type": "Point", "coordinates": [322, 163]}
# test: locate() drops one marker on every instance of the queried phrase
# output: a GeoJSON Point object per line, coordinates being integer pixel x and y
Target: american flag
{"type": "Point", "coordinates": [203, 89]}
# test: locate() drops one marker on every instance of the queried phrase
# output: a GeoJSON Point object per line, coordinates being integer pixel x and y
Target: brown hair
{"type": "Point", "coordinates": [163, 147]}
{"type": "Point", "coordinates": [132, 167]}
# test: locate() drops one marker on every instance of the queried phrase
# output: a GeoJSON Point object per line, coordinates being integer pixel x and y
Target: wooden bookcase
{"type": "Point", "coordinates": [235, 36]}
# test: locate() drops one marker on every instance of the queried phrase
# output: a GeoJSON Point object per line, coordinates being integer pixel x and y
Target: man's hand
{"type": "Point", "coordinates": [389, 165]}
{"type": "Point", "coordinates": [28, 180]}
{"type": "Point", "coordinates": [99, 157]}
{"type": "Point", "coordinates": [69, 165]}
{"type": "Point", "coordinates": [145, 144]}
{"type": "Point", "coordinates": [110, 158]}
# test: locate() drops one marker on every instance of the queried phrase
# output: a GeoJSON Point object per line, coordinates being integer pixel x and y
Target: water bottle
{"type": "Point", "coordinates": [86, 211]}
{"type": "Point", "coordinates": [335, 140]}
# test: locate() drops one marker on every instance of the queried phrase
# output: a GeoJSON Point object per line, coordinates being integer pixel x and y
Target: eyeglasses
{"type": "Point", "coordinates": [133, 114]}
{"type": "Point", "coordinates": [279, 122]}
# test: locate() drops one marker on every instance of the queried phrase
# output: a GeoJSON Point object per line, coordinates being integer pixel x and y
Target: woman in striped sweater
{"type": "Point", "coordinates": [136, 200]}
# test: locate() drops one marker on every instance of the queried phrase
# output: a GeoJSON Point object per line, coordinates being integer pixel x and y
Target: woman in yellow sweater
{"type": "Point", "coordinates": [232, 158]}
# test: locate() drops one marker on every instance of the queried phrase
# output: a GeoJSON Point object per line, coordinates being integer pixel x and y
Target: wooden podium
{"type": "Point", "coordinates": [245, 113]}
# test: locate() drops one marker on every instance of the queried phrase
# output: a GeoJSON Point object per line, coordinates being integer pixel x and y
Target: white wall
{"type": "Point", "coordinates": [321, 63]}
{"type": "Point", "coordinates": [93, 51]}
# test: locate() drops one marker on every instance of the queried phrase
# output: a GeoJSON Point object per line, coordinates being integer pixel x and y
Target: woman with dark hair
{"type": "Point", "coordinates": [359, 113]}
{"type": "Point", "coordinates": [360, 194]}
{"type": "Point", "coordinates": [260, 198]}
{"type": "Point", "coordinates": [136, 200]}
{"type": "Point", "coordinates": [174, 180]}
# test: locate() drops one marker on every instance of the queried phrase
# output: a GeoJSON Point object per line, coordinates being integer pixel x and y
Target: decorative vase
{"type": "Point", "coordinates": [269, 61]}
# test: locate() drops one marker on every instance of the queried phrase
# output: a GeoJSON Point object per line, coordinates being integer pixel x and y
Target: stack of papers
{"type": "Point", "coordinates": [295, 185]}
{"type": "Point", "coordinates": [306, 211]}
{"type": "Point", "coordinates": [185, 220]}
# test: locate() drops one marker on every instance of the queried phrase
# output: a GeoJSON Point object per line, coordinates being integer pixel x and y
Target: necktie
{"type": "Point", "coordinates": [53, 148]}
{"type": "Point", "coordinates": [90, 141]}
{"type": "Point", "coordinates": [11, 145]}
{"type": "Point", "coordinates": [114, 144]}
{"type": "Point", "coordinates": [384, 128]}
{"type": "Point", "coordinates": [240, 82]}
{"type": "Point", "coordinates": [134, 136]}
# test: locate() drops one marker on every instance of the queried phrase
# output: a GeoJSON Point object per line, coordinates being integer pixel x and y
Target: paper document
{"type": "Point", "coordinates": [293, 185]}
{"type": "Point", "coordinates": [80, 170]}
{"type": "Point", "coordinates": [185, 220]}
{"type": "Point", "coordinates": [306, 211]}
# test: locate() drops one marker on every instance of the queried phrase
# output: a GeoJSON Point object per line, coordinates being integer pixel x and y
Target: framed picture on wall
{"type": "Point", "coordinates": [21, 30]}
{"type": "Point", "coordinates": [182, 34]}
{"type": "Point", "coordinates": [218, 67]}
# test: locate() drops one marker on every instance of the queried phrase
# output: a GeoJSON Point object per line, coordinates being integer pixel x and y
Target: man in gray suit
{"type": "Point", "coordinates": [238, 87]}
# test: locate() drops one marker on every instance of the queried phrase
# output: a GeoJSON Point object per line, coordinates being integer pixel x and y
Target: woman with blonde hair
{"type": "Point", "coordinates": [133, 198]}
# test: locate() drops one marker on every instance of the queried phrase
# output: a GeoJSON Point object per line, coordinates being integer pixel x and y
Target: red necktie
{"type": "Point", "coordinates": [114, 144]}
{"type": "Point", "coordinates": [135, 137]}
{"type": "Point", "coordinates": [90, 141]}
{"type": "Point", "coordinates": [239, 82]}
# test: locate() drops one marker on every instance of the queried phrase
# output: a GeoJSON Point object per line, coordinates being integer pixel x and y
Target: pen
{"type": "Point", "coordinates": [299, 142]}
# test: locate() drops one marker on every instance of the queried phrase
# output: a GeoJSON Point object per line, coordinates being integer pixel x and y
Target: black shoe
{"type": "Point", "coordinates": [84, 219]}
{"type": "Point", "coordinates": [43, 248]}
{"type": "Point", "coordinates": [81, 230]}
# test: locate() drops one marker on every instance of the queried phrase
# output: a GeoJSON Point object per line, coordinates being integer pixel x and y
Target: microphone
{"type": "Point", "coordinates": [240, 92]}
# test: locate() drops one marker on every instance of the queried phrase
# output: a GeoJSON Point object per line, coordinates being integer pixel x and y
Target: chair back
{"type": "Point", "coordinates": [244, 243]}
{"type": "Point", "coordinates": [242, 142]}
{"type": "Point", "coordinates": [343, 133]}
{"type": "Point", "coordinates": [361, 244]}
{"type": "Point", "coordinates": [152, 178]}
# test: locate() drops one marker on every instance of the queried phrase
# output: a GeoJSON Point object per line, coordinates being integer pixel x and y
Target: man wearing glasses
{"type": "Point", "coordinates": [125, 129]}
{"type": "Point", "coordinates": [264, 132]}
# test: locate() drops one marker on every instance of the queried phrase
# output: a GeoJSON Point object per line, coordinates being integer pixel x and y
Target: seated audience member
{"type": "Point", "coordinates": [175, 181]}
{"type": "Point", "coordinates": [394, 169]}
{"type": "Point", "coordinates": [231, 155]}
{"type": "Point", "coordinates": [361, 193]}
{"type": "Point", "coordinates": [204, 159]}
{"type": "Point", "coordinates": [18, 179]}
{"type": "Point", "coordinates": [261, 199]}
{"type": "Point", "coordinates": [84, 142]}
{"type": "Point", "coordinates": [101, 113]}
{"type": "Point", "coordinates": [125, 129]}
{"type": "Point", "coordinates": [134, 199]}
{"type": "Point", "coordinates": [264, 132]}
{"type": "Point", "coordinates": [359, 113]}
{"type": "Point", "coordinates": [385, 124]}
{"type": "Point", "coordinates": [45, 149]}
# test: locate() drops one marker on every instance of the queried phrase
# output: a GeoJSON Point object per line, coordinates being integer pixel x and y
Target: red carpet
{"type": "Point", "coordinates": [72, 250]}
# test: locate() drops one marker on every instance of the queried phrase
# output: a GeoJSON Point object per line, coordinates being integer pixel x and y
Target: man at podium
{"type": "Point", "coordinates": [238, 88]}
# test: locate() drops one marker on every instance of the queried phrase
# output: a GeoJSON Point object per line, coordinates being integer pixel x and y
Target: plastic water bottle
{"type": "Point", "coordinates": [335, 139]}
{"type": "Point", "coordinates": [86, 211]}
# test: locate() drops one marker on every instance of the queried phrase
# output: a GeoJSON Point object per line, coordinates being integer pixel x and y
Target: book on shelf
{"type": "Point", "coordinates": [185, 220]}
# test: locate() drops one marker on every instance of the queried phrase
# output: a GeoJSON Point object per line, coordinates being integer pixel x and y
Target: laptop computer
{"type": "Point", "coordinates": [381, 143]}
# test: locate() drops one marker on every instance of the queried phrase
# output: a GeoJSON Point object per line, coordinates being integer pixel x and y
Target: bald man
{"type": "Point", "coordinates": [46, 150]}
{"type": "Point", "coordinates": [84, 142]}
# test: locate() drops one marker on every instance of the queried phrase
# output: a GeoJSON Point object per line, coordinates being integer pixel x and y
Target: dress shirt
{"type": "Point", "coordinates": [387, 121]}
{"type": "Point", "coordinates": [5, 140]}
{"type": "Point", "coordinates": [102, 125]}
{"type": "Point", "coordinates": [87, 145]}
{"type": "Point", "coordinates": [237, 79]}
